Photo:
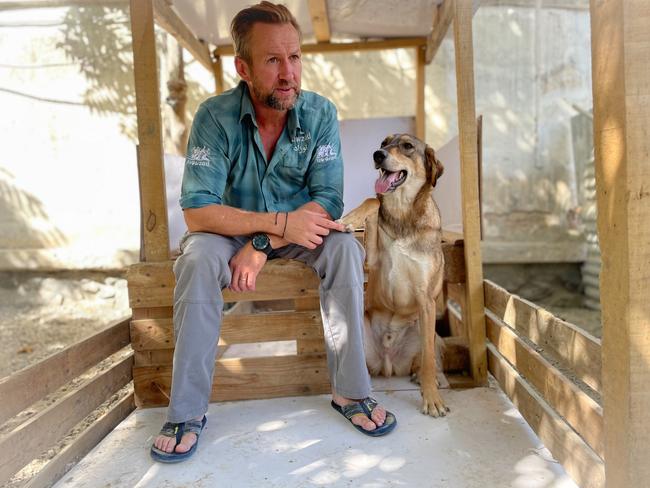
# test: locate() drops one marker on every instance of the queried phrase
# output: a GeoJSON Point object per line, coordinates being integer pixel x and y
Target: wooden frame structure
{"type": "Point", "coordinates": [551, 370]}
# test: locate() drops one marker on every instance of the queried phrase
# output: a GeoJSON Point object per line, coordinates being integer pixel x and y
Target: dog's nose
{"type": "Point", "coordinates": [379, 156]}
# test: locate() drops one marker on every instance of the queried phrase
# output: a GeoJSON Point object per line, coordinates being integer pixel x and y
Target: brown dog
{"type": "Point", "coordinates": [405, 264]}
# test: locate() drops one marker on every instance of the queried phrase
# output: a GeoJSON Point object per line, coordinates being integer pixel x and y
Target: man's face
{"type": "Point", "coordinates": [273, 75]}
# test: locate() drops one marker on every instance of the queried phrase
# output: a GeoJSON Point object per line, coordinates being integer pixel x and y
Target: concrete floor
{"type": "Point", "coordinates": [299, 442]}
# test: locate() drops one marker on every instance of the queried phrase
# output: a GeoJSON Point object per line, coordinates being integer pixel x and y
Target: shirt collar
{"type": "Point", "coordinates": [293, 122]}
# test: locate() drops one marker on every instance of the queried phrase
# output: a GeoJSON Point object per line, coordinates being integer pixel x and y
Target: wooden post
{"type": "Point", "coordinates": [150, 153]}
{"type": "Point", "coordinates": [217, 71]}
{"type": "Point", "coordinates": [475, 313]}
{"type": "Point", "coordinates": [621, 89]}
{"type": "Point", "coordinates": [420, 83]}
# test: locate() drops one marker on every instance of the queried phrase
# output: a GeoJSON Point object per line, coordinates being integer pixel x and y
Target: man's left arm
{"type": "Point", "coordinates": [324, 176]}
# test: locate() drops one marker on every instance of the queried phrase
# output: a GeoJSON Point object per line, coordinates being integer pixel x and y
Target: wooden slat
{"type": "Point", "coordinates": [576, 349]}
{"type": "Point", "coordinates": [420, 82]}
{"type": "Point", "coordinates": [152, 284]}
{"type": "Point", "coordinates": [243, 379]}
{"type": "Point", "coordinates": [581, 411]}
{"type": "Point", "coordinates": [320, 20]}
{"type": "Point", "coordinates": [455, 356]}
{"type": "Point", "coordinates": [150, 334]}
{"type": "Point", "coordinates": [153, 313]}
{"type": "Point", "coordinates": [25, 387]}
{"type": "Point", "coordinates": [473, 313]}
{"type": "Point", "coordinates": [442, 17]}
{"type": "Point", "coordinates": [169, 20]}
{"type": "Point", "coordinates": [32, 437]}
{"type": "Point", "coordinates": [576, 457]}
{"type": "Point", "coordinates": [329, 47]}
{"type": "Point", "coordinates": [60, 464]}
{"type": "Point", "coordinates": [621, 88]}
{"type": "Point", "coordinates": [153, 204]}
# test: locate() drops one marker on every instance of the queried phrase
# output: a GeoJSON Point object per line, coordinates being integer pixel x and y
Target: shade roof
{"type": "Point", "coordinates": [348, 19]}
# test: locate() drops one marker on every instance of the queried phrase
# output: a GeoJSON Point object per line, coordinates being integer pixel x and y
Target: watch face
{"type": "Point", "coordinates": [260, 241]}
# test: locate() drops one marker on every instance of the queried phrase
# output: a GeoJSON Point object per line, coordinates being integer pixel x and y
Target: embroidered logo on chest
{"type": "Point", "coordinates": [301, 143]}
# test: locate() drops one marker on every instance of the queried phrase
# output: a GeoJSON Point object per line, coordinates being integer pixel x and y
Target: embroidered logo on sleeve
{"type": "Point", "coordinates": [325, 153]}
{"type": "Point", "coordinates": [200, 156]}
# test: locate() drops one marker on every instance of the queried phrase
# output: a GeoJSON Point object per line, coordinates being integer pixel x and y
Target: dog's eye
{"type": "Point", "coordinates": [407, 146]}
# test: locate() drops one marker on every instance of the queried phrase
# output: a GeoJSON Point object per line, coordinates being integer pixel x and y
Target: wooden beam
{"type": "Point", "coordinates": [153, 204]}
{"type": "Point", "coordinates": [33, 383]}
{"type": "Point", "coordinates": [443, 14]}
{"type": "Point", "coordinates": [83, 444]}
{"type": "Point", "coordinates": [332, 47]}
{"type": "Point", "coordinates": [474, 312]}
{"type": "Point", "coordinates": [576, 457]}
{"type": "Point", "coordinates": [420, 86]}
{"type": "Point", "coordinates": [621, 89]}
{"type": "Point", "coordinates": [581, 411]}
{"type": "Point", "coordinates": [168, 19]}
{"type": "Point", "coordinates": [320, 20]}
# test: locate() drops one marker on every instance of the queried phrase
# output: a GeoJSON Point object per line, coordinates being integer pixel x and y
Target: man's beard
{"type": "Point", "coordinates": [271, 101]}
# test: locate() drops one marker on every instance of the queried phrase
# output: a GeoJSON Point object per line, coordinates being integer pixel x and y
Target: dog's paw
{"type": "Point", "coordinates": [348, 227]}
{"type": "Point", "coordinates": [433, 405]}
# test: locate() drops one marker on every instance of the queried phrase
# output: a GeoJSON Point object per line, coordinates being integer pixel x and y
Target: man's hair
{"type": "Point", "coordinates": [265, 12]}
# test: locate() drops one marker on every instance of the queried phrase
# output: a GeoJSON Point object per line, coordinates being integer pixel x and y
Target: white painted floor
{"type": "Point", "coordinates": [302, 442]}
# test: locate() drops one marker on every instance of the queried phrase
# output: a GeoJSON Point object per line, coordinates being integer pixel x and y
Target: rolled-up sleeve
{"type": "Point", "coordinates": [325, 173]}
{"type": "Point", "coordinates": [206, 165]}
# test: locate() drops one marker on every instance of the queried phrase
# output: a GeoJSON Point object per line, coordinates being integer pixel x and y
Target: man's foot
{"type": "Point", "coordinates": [377, 416]}
{"type": "Point", "coordinates": [168, 444]}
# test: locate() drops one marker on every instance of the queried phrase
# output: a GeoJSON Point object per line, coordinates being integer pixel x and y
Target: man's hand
{"type": "Point", "coordinates": [307, 228]}
{"type": "Point", "coordinates": [244, 268]}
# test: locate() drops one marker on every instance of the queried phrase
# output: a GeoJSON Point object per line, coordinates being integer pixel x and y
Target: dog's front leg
{"type": "Point", "coordinates": [356, 218]}
{"type": "Point", "coordinates": [432, 403]}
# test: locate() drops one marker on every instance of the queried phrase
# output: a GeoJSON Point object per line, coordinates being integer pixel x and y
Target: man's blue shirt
{"type": "Point", "coordinates": [226, 162]}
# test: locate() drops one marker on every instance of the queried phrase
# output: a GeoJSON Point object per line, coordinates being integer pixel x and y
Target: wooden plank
{"type": "Point", "coordinates": [442, 16]}
{"type": "Point", "coordinates": [153, 204]}
{"type": "Point", "coordinates": [38, 433]}
{"type": "Point", "coordinates": [152, 284]}
{"type": "Point", "coordinates": [150, 334]}
{"type": "Point", "coordinates": [31, 384]}
{"type": "Point", "coordinates": [168, 19]}
{"type": "Point", "coordinates": [457, 326]}
{"type": "Point", "coordinates": [71, 454]}
{"type": "Point", "coordinates": [473, 313]}
{"type": "Point", "coordinates": [581, 411]}
{"type": "Point", "coordinates": [621, 88]}
{"type": "Point", "coordinates": [573, 347]}
{"type": "Point", "coordinates": [320, 20]}
{"type": "Point", "coordinates": [455, 355]}
{"type": "Point", "coordinates": [153, 313]}
{"type": "Point", "coordinates": [243, 379]}
{"type": "Point", "coordinates": [420, 82]}
{"type": "Point", "coordinates": [307, 345]}
{"type": "Point", "coordinates": [331, 47]}
{"type": "Point", "coordinates": [576, 457]}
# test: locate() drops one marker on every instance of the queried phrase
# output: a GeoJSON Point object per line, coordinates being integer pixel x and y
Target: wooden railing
{"type": "Point", "coordinates": [31, 426]}
{"type": "Point", "coordinates": [550, 369]}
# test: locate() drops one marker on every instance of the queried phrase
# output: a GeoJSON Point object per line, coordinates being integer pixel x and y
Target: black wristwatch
{"type": "Point", "coordinates": [262, 242]}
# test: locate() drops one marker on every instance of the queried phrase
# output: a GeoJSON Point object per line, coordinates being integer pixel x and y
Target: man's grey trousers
{"type": "Point", "coordinates": [202, 272]}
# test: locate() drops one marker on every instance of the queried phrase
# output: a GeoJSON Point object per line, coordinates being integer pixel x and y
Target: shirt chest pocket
{"type": "Point", "coordinates": [293, 167]}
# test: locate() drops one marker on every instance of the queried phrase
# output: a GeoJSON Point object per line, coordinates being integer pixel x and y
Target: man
{"type": "Point", "coordinates": [264, 179]}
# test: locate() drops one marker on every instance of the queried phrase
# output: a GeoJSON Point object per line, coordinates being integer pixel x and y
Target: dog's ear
{"type": "Point", "coordinates": [387, 140]}
{"type": "Point", "coordinates": [433, 164]}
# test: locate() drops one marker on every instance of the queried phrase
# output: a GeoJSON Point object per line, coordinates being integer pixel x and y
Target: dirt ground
{"type": "Point", "coordinates": [41, 314]}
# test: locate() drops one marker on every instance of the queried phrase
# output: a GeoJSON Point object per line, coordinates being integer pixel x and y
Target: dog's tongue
{"type": "Point", "coordinates": [383, 182]}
